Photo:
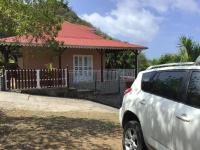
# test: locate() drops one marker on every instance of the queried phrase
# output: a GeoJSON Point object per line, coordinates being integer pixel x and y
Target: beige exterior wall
{"type": "Point", "coordinates": [37, 58]}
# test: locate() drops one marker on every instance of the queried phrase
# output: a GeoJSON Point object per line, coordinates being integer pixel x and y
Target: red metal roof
{"type": "Point", "coordinates": [74, 35]}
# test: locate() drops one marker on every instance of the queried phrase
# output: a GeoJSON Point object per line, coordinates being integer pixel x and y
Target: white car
{"type": "Point", "coordinates": [161, 110]}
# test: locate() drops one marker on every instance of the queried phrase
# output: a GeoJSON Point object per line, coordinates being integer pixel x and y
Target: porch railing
{"type": "Point", "coordinates": [32, 78]}
{"type": "Point", "coordinates": [23, 79]}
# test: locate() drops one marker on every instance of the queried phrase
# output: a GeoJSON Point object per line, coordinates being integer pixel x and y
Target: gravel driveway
{"type": "Point", "coordinates": [56, 123]}
{"type": "Point", "coordinates": [52, 104]}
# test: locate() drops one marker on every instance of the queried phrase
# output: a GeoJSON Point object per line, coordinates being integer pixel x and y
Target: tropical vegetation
{"type": "Point", "coordinates": [188, 51]}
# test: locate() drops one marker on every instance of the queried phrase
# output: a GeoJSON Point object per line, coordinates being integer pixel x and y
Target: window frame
{"type": "Point", "coordinates": [187, 88]}
{"type": "Point", "coordinates": [180, 98]}
{"type": "Point", "coordinates": [154, 73]}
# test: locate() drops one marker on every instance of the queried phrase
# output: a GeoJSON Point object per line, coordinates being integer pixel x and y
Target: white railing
{"type": "Point", "coordinates": [95, 75]}
{"type": "Point", "coordinates": [22, 79]}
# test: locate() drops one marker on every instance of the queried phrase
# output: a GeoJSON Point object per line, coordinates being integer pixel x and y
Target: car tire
{"type": "Point", "coordinates": [133, 137]}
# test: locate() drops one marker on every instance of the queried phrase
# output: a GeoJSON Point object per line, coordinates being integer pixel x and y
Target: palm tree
{"type": "Point", "coordinates": [189, 50]}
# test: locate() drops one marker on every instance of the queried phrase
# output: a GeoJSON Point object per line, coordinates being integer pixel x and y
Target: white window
{"type": "Point", "coordinates": [83, 67]}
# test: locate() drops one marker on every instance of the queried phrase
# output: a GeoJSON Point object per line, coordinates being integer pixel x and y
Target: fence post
{"type": "Point", "coordinates": [95, 81]}
{"type": "Point", "coordinates": [119, 83]}
{"type": "Point", "coordinates": [38, 79]}
{"type": "Point", "coordinates": [5, 88]}
{"type": "Point", "coordinates": [68, 76]}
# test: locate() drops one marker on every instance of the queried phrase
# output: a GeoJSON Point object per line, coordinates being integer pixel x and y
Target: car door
{"type": "Point", "coordinates": [186, 135]}
{"type": "Point", "coordinates": [142, 108]}
{"type": "Point", "coordinates": [165, 89]}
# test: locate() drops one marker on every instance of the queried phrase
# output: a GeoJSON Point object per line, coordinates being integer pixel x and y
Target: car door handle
{"type": "Point", "coordinates": [183, 117]}
{"type": "Point", "coordinates": [143, 102]}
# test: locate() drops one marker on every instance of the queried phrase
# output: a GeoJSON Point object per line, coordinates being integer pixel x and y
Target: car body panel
{"type": "Point", "coordinates": [162, 120]}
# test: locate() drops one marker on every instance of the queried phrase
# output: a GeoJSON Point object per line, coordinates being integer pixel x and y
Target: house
{"type": "Point", "coordinates": [84, 50]}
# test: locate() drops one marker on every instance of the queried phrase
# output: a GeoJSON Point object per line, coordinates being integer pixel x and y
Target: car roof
{"type": "Point", "coordinates": [166, 67]}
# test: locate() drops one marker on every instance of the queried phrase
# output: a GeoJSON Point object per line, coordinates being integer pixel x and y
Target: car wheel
{"type": "Point", "coordinates": [133, 137]}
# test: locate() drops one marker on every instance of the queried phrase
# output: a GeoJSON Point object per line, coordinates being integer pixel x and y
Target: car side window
{"type": "Point", "coordinates": [147, 81]}
{"type": "Point", "coordinates": [167, 84]}
{"type": "Point", "coordinates": [194, 90]}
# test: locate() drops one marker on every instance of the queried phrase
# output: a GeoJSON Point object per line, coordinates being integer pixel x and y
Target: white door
{"type": "Point", "coordinates": [83, 68]}
{"type": "Point", "coordinates": [165, 91]}
{"type": "Point", "coordinates": [186, 135]}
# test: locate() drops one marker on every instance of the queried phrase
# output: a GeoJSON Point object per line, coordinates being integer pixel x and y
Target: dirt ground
{"type": "Point", "coordinates": [27, 130]}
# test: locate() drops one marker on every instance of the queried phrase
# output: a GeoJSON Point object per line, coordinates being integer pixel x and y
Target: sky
{"type": "Point", "coordinates": [157, 24]}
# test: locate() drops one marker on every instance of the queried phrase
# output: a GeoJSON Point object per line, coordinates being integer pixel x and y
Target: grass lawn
{"type": "Point", "coordinates": [29, 130]}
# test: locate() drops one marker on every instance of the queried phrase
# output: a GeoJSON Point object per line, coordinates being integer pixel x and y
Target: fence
{"type": "Point", "coordinates": [95, 75]}
{"type": "Point", "coordinates": [31, 78]}
{"type": "Point", "coordinates": [114, 80]}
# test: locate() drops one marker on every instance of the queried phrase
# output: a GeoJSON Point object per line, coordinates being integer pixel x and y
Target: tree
{"type": "Point", "coordinates": [166, 58]}
{"type": "Point", "coordinates": [144, 63]}
{"type": "Point", "coordinates": [123, 59]}
{"type": "Point", "coordinates": [188, 49]}
{"type": "Point", "coordinates": [39, 19]}
{"type": "Point", "coordinates": [126, 59]}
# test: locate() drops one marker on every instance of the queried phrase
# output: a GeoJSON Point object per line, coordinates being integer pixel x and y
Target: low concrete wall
{"type": "Point", "coordinates": [106, 87]}
{"type": "Point", "coordinates": [113, 100]}
{"type": "Point", "coordinates": [106, 92]}
{"type": "Point", "coordinates": [53, 92]}
{"type": "Point", "coordinates": [57, 92]}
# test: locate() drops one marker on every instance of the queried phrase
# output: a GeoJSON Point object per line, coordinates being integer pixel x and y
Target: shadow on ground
{"type": "Point", "coordinates": [55, 132]}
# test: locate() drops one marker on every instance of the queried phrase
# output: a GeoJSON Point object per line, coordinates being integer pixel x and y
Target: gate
{"type": "Point", "coordinates": [23, 79]}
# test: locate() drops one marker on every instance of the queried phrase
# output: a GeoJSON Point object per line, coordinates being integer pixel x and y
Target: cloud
{"type": "Point", "coordinates": [188, 5]}
{"type": "Point", "coordinates": [191, 6]}
{"type": "Point", "coordinates": [135, 20]}
{"type": "Point", "coordinates": [128, 21]}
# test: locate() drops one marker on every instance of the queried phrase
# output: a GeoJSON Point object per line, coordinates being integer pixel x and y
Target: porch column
{"type": "Point", "coordinates": [6, 56]}
{"type": "Point", "coordinates": [60, 61]}
{"type": "Point", "coordinates": [102, 54]}
{"type": "Point", "coordinates": [61, 51]}
{"type": "Point", "coordinates": [136, 52]}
